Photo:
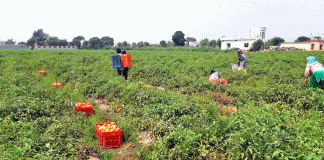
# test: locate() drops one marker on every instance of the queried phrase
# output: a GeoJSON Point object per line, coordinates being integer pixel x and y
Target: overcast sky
{"type": "Point", "coordinates": [153, 21]}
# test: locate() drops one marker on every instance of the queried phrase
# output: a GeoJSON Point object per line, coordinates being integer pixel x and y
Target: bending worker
{"type": "Point", "coordinates": [214, 77]}
{"type": "Point", "coordinates": [242, 63]}
{"type": "Point", "coordinates": [316, 71]}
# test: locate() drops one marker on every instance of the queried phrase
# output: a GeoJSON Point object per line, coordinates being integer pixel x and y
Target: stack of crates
{"type": "Point", "coordinates": [109, 139]}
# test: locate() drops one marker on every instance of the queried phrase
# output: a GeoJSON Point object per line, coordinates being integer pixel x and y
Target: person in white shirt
{"type": "Point", "coordinates": [214, 77]}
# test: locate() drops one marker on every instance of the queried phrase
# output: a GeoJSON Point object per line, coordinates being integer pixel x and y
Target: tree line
{"type": "Point", "coordinates": [39, 37]}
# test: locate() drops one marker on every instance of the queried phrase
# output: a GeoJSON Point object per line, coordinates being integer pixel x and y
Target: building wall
{"type": "Point", "coordinates": [193, 44]}
{"type": "Point", "coordinates": [237, 44]}
{"type": "Point", "coordinates": [317, 46]}
{"type": "Point", "coordinates": [54, 47]}
{"type": "Point", "coordinates": [12, 47]}
{"type": "Point", "coordinates": [301, 45]}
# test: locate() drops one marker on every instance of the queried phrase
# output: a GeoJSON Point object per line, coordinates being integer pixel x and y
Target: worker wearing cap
{"type": "Point", "coordinates": [316, 71]}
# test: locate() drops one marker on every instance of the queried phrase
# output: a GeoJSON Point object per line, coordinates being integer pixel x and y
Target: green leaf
{"type": "Point", "coordinates": [275, 153]}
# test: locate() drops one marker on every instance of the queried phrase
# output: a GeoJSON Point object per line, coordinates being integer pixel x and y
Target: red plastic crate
{"type": "Point", "coordinates": [88, 110]}
{"type": "Point", "coordinates": [109, 139]}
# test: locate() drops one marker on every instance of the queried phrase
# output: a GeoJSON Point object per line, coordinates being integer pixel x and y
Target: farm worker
{"type": "Point", "coordinates": [125, 71]}
{"type": "Point", "coordinates": [242, 63]}
{"type": "Point", "coordinates": [214, 77]}
{"type": "Point", "coordinates": [119, 72]}
{"type": "Point", "coordinates": [316, 71]}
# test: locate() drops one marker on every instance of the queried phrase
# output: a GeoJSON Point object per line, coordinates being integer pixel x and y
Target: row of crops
{"type": "Point", "coordinates": [276, 116]}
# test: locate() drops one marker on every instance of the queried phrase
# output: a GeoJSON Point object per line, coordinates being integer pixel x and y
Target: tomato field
{"type": "Point", "coordinates": [268, 113]}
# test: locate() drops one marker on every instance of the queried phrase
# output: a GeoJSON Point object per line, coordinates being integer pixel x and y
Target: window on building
{"type": "Point", "coordinates": [246, 44]}
{"type": "Point", "coordinates": [312, 46]}
{"type": "Point", "coordinates": [228, 45]}
{"type": "Point", "coordinates": [321, 47]}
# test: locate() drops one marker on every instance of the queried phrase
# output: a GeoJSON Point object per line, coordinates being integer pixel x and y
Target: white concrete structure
{"type": "Point", "coordinates": [193, 44]}
{"type": "Point", "coordinates": [54, 47]}
{"type": "Point", "coordinates": [244, 43]}
{"type": "Point", "coordinates": [317, 37]}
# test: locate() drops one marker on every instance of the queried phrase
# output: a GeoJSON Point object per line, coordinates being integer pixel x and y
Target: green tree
{"type": "Point", "coordinates": [77, 41]}
{"type": "Point", "coordinates": [63, 42]}
{"type": "Point", "coordinates": [40, 37]}
{"type": "Point", "coordinates": [134, 45]}
{"type": "Point", "coordinates": [302, 39]}
{"type": "Point", "coordinates": [169, 44]}
{"type": "Point", "coordinates": [257, 45]}
{"type": "Point", "coordinates": [120, 44]}
{"type": "Point", "coordinates": [140, 44]}
{"type": "Point", "coordinates": [52, 41]}
{"type": "Point", "coordinates": [95, 43]}
{"type": "Point", "coordinates": [85, 45]}
{"type": "Point", "coordinates": [147, 44]}
{"type": "Point", "coordinates": [31, 41]}
{"type": "Point", "coordinates": [178, 38]}
{"type": "Point", "coordinates": [71, 44]}
{"type": "Point", "coordinates": [107, 41]}
{"type": "Point", "coordinates": [163, 43]}
{"type": "Point", "coordinates": [275, 41]}
{"type": "Point", "coordinates": [213, 43]}
{"type": "Point", "coordinates": [219, 43]}
{"type": "Point", "coordinates": [204, 42]}
{"type": "Point", "coordinates": [125, 44]}
{"type": "Point", "coordinates": [10, 42]}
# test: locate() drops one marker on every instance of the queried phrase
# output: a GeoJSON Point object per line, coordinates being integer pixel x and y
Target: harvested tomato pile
{"type": "Point", "coordinates": [109, 127]}
{"type": "Point", "coordinates": [57, 85]}
{"type": "Point", "coordinates": [228, 111]}
{"type": "Point", "coordinates": [147, 86]}
{"type": "Point", "coordinates": [84, 107]}
{"type": "Point", "coordinates": [42, 72]}
{"type": "Point", "coordinates": [109, 135]}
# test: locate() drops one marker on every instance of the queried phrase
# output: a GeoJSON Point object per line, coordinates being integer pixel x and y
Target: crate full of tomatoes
{"type": "Point", "coordinates": [109, 135]}
{"type": "Point", "coordinates": [84, 107]}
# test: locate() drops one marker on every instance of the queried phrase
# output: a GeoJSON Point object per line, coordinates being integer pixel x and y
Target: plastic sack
{"type": "Point", "coordinates": [235, 67]}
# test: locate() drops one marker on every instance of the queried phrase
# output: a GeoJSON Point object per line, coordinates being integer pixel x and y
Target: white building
{"type": "Point", "coordinates": [317, 37]}
{"type": "Point", "coordinates": [193, 44]}
{"type": "Point", "coordinates": [244, 43]}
